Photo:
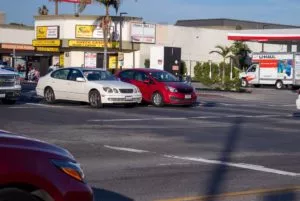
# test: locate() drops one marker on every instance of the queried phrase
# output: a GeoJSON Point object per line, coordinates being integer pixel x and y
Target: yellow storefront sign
{"type": "Point", "coordinates": [85, 31]}
{"type": "Point", "coordinates": [62, 60]}
{"type": "Point", "coordinates": [41, 32]}
{"type": "Point", "coordinates": [47, 49]}
{"type": "Point", "coordinates": [46, 43]}
{"type": "Point", "coordinates": [92, 43]}
{"type": "Point", "coordinates": [112, 62]}
{"type": "Point", "coordinates": [47, 32]}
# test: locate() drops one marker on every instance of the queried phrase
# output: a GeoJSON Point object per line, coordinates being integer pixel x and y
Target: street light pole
{"type": "Point", "coordinates": [121, 36]}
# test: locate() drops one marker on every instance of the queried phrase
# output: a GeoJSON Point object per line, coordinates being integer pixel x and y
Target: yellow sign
{"type": "Point", "coordinates": [85, 31]}
{"type": "Point", "coordinates": [47, 49]}
{"type": "Point", "coordinates": [16, 46]}
{"type": "Point", "coordinates": [46, 32]}
{"type": "Point", "coordinates": [46, 43]}
{"type": "Point", "coordinates": [112, 62]}
{"type": "Point", "coordinates": [92, 43]}
{"type": "Point", "coordinates": [62, 60]}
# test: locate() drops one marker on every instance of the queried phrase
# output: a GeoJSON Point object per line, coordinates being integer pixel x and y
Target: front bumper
{"type": "Point", "coordinates": [298, 103]}
{"type": "Point", "coordinates": [181, 99]}
{"type": "Point", "coordinates": [121, 98]}
{"type": "Point", "coordinates": [12, 94]}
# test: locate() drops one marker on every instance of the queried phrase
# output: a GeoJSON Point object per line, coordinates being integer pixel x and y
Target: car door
{"type": "Point", "coordinates": [143, 82]}
{"type": "Point", "coordinates": [58, 83]}
{"type": "Point", "coordinates": [76, 89]}
{"type": "Point", "coordinates": [252, 75]}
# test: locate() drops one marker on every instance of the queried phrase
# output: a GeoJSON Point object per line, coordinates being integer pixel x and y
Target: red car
{"type": "Point", "coordinates": [31, 170]}
{"type": "Point", "coordinates": [159, 87]}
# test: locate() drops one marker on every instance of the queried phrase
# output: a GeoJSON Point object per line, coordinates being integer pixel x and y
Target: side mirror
{"type": "Point", "coordinates": [80, 79]}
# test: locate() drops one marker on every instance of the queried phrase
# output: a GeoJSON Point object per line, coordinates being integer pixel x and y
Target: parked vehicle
{"type": "Point", "coordinates": [31, 170]}
{"type": "Point", "coordinates": [159, 87]}
{"type": "Point", "coordinates": [10, 86]}
{"type": "Point", "coordinates": [279, 69]}
{"type": "Point", "coordinates": [94, 86]}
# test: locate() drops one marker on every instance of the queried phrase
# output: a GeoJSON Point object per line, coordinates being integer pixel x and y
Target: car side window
{"type": "Point", "coordinates": [127, 74]}
{"type": "Point", "coordinates": [74, 74]}
{"type": "Point", "coordinates": [140, 76]}
{"type": "Point", "coordinates": [61, 74]}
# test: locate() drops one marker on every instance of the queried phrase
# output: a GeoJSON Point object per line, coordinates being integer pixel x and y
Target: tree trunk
{"type": "Point", "coordinates": [105, 30]}
{"type": "Point", "coordinates": [223, 79]}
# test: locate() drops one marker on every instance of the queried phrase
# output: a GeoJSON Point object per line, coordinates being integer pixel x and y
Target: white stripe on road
{"type": "Point", "coordinates": [238, 165]}
{"type": "Point", "coordinates": [188, 118]}
{"type": "Point", "coordinates": [126, 149]}
{"type": "Point", "coordinates": [44, 105]}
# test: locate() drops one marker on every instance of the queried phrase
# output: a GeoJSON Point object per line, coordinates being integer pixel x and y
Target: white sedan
{"type": "Point", "coordinates": [94, 86]}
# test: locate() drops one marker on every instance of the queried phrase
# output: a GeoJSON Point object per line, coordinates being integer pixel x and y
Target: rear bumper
{"type": "Point", "coordinates": [181, 99]}
{"type": "Point", "coordinates": [12, 94]}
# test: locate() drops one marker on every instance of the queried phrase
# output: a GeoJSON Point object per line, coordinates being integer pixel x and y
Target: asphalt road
{"type": "Point", "coordinates": [239, 149]}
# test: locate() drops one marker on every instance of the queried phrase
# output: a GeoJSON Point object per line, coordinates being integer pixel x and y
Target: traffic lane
{"type": "Point", "coordinates": [184, 180]}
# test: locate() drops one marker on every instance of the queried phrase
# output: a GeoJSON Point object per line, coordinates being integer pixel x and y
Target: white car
{"type": "Point", "coordinates": [298, 101]}
{"type": "Point", "coordinates": [94, 86]}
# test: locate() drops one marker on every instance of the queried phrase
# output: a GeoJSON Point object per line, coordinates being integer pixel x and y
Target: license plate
{"type": "Point", "coordinates": [128, 98]}
{"type": "Point", "coordinates": [188, 96]}
{"type": "Point", "coordinates": [2, 95]}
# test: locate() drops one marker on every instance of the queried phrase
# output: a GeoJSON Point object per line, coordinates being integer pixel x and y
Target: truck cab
{"type": "Point", "coordinates": [251, 76]}
{"type": "Point", "coordinates": [10, 86]}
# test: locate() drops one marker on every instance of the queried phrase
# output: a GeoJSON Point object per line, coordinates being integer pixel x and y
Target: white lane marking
{"type": "Point", "coordinates": [148, 119]}
{"type": "Point", "coordinates": [44, 105]}
{"type": "Point", "coordinates": [238, 165]}
{"type": "Point", "coordinates": [21, 107]}
{"type": "Point", "coordinates": [188, 118]}
{"type": "Point", "coordinates": [126, 149]}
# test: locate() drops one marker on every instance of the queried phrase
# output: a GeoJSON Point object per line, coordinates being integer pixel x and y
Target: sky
{"type": "Point", "coordinates": [169, 11]}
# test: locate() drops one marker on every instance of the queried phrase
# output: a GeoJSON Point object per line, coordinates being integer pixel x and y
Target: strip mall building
{"type": "Point", "coordinates": [78, 41]}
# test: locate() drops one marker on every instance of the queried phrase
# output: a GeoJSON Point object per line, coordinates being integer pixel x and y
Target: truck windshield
{"type": "Point", "coordinates": [252, 68]}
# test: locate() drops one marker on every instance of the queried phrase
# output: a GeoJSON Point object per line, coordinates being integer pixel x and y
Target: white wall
{"type": "Point", "coordinates": [128, 60]}
{"type": "Point", "coordinates": [19, 36]}
{"type": "Point", "coordinates": [75, 59]}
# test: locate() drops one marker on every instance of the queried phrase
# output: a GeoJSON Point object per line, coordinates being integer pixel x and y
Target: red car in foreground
{"type": "Point", "coordinates": [159, 87]}
{"type": "Point", "coordinates": [31, 170]}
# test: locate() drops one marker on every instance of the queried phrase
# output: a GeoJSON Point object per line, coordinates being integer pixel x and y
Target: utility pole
{"type": "Point", "coordinates": [56, 7]}
{"type": "Point", "coordinates": [121, 25]}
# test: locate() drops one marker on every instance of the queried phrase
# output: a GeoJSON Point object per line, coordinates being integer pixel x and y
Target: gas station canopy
{"type": "Point", "coordinates": [266, 35]}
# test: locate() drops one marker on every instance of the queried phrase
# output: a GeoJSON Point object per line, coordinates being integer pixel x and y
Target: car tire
{"type": "Point", "coordinates": [12, 194]}
{"type": "Point", "coordinates": [8, 101]}
{"type": "Point", "coordinates": [279, 84]}
{"type": "Point", "coordinates": [49, 95]}
{"type": "Point", "coordinates": [244, 83]}
{"type": "Point", "coordinates": [157, 99]}
{"type": "Point", "coordinates": [95, 99]}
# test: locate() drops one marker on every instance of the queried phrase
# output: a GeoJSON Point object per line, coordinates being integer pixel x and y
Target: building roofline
{"type": "Point", "coordinates": [85, 17]}
{"type": "Point", "coordinates": [235, 20]}
{"type": "Point", "coordinates": [16, 26]}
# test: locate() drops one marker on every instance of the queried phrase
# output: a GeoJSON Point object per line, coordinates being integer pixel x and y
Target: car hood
{"type": "Point", "coordinates": [6, 72]}
{"type": "Point", "coordinates": [114, 84]}
{"type": "Point", "coordinates": [178, 85]}
{"type": "Point", "coordinates": [24, 143]}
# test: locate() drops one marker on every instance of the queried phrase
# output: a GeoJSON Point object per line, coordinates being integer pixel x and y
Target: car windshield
{"type": "Point", "coordinates": [163, 76]}
{"type": "Point", "coordinates": [97, 75]}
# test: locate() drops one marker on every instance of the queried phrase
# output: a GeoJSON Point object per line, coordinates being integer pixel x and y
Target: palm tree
{"type": "Point", "coordinates": [225, 53]}
{"type": "Point", "coordinates": [241, 51]}
{"type": "Point", "coordinates": [105, 21]}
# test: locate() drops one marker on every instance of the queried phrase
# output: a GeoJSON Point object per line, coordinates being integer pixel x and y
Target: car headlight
{"type": "Point", "coordinates": [108, 89]}
{"type": "Point", "coordinates": [172, 89]}
{"type": "Point", "coordinates": [115, 90]}
{"type": "Point", "coordinates": [136, 90]}
{"type": "Point", "coordinates": [70, 168]}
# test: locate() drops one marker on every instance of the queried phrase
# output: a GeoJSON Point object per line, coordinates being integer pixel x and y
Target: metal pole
{"type": "Point", "coordinates": [56, 7]}
{"type": "Point", "coordinates": [231, 68]}
{"type": "Point", "coordinates": [210, 63]}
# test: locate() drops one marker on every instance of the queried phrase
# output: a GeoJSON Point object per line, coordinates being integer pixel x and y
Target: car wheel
{"type": "Point", "coordinates": [49, 95]}
{"type": "Point", "coordinates": [95, 99]}
{"type": "Point", "coordinates": [16, 194]}
{"type": "Point", "coordinates": [157, 99]}
{"type": "Point", "coordinates": [279, 84]}
{"type": "Point", "coordinates": [8, 101]}
{"type": "Point", "coordinates": [244, 83]}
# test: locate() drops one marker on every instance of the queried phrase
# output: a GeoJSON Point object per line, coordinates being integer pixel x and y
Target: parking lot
{"type": "Point", "coordinates": [228, 144]}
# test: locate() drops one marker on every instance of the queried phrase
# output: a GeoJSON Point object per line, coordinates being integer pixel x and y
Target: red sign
{"type": "Point", "coordinates": [76, 1]}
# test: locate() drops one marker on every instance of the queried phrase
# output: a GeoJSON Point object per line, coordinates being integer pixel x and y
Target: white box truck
{"type": "Point", "coordinates": [278, 69]}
